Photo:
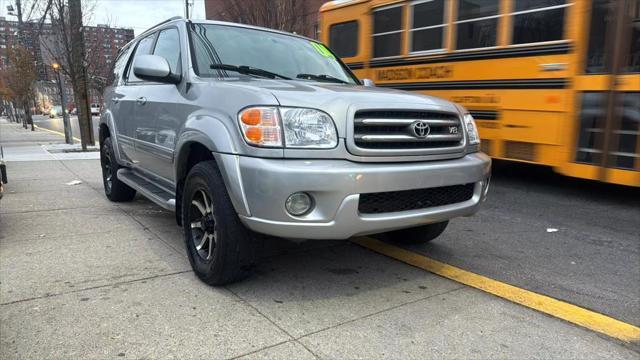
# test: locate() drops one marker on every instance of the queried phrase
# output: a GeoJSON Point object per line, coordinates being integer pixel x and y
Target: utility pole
{"type": "Point", "coordinates": [79, 70]}
{"type": "Point", "coordinates": [186, 9]}
{"type": "Point", "coordinates": [68, 136]}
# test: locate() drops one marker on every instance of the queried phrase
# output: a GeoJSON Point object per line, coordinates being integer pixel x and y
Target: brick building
{"type": "Point", "coordinates": [102, 44]}
{"type": "Point", "coordinates": [215, 10]}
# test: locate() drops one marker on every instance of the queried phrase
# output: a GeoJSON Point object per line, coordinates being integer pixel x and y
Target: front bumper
{"type": "Point", "coordinates": [259, 187]}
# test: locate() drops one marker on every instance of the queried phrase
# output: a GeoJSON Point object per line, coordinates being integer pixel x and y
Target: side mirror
{"type": "Point", "coordinates": [368, 82]}
{"type": "Point", "coordinates": [154, 68]}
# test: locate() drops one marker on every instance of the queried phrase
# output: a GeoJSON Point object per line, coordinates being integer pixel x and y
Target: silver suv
{"type": "Point", "coordinates": [245, 131]}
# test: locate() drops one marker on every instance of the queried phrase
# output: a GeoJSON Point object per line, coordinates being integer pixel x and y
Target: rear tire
{"type": "Point", "coordinates": [220, 248]}
{"type": "Point", "coordinates": [114, 189]}
{"type": "Point", "coordinates": [417, 235]}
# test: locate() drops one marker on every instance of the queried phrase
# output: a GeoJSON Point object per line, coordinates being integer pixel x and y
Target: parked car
{"type": "Point", "coordinates": [244, 131]}
{"type": "Point", "coordinates": [95, 109]}
{"type": "Point", "coordinates": [55, 111]}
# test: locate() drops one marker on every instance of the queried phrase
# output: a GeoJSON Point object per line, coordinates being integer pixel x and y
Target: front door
{"type": "Point", "coordinates": [160, 108]}
{"type": "Point", "coordinates": [609, 93]}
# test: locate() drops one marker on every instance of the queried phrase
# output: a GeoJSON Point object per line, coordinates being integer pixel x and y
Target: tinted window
{"type": "Point", "coordinates": [143, 48]}
{"type": "Point", "coordinates": [536, 4]}
{"type": "Point", "coordinates": [428, 39]}
{"type": "Point", "coordinates": [473, 9]}
{"type": "Point", "coordinates": [427, 25]}
{"type": "Point", "coordinates": [387, 32]}
{"type": "Point", "coordinates": [477, 34]}
{"type": "Point", "coordinates": [428, 13]}
{"type": "Point", "coordinates": [596, 59]}
{"type": "Point", "coordinates": [473, 28]}
{"type": "Point", "coordinates": [539, 26]}
{"type": "Point", "coordinates": [625, 153]}
{"type": "Point", "coordinates": [387, 20]}
{"type": "Point", "coordinates": [592, 120]}
{"type": "Point", "coordinates": [168, 46]}
{"type": "Point", "coordinates": [633, 62]}
{"type": "Point", "coordinates": [343, 39]}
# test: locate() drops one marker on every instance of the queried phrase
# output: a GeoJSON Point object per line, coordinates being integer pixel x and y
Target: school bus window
{"type": "Point", "coordinates": [343, 39]}
{"type": "Point", "coordinates": [477, 23]}
{"type": "Point", "coordinates": [387, 31]}
{"type": "Point", "coordinates": [596, 60]}
{"type": "Point", "coordinates": [592, 119]}
{"type": "Point", "coordinates": [538, 21]}
{"type": "Point", "coordinates": [624, 154]}
{"type": "Point", "coordinates": [633, 63]}
{"type": "Point", "coordinates": [427, 25]}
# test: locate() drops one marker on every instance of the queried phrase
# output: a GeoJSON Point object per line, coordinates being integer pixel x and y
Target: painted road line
{"type": "Point", "coordinates": [548, 305]}
{"type": "Point", "coordinates": [55, 132]}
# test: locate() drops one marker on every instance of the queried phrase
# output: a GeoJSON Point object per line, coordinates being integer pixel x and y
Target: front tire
{"type": "Point", "coordinates": [114, 189]}
{"type": "Point", "coordinates": [220, 248]}
{"type": "Point", "coordinates": [417, 235]}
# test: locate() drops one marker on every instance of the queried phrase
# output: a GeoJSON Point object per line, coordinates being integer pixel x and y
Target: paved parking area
{"type": "Point", "coordinates": [81, 277]}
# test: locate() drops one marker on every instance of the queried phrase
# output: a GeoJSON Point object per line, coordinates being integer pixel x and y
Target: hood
{"type": "Point", "coordinates": [342, 100]}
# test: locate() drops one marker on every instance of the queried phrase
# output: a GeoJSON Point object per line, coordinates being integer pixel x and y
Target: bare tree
{"type": "Point", "coordinates": [65, 46]}
{"type": "Point", "coordinates": [19, 78]}
{"type": "Point", "coordinates": [287, 15]}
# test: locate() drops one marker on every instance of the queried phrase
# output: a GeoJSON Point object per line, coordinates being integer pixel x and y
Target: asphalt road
{"type": "Point", "coordinates": [593, 260]}
{"type": "Point", "coordinates": [57, 124]}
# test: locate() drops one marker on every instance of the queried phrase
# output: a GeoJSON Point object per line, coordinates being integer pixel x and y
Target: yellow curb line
{"type": "Point", "coordinates": [55, 132]}
{"type": "Point", "coordinates": [548, 305]}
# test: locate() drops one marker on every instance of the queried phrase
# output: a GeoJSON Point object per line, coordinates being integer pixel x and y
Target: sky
{"type": "Point", "coordinates": [137, 14]}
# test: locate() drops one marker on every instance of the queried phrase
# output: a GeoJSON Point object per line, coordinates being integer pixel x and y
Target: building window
{"type": "Point", "coordinates": [387, 31]}
{"type": "Point", "coordinates": [538, 21]}
{"type": "Point", "coordinates": [343, 39]}
{"type": "Point", "coordinates": [477, 23]}
{"type": "Point", "coordinates": [427, 25]}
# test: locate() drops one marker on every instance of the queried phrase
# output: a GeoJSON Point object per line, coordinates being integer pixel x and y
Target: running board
{"type": "Point", "coordinates": [148, 189]}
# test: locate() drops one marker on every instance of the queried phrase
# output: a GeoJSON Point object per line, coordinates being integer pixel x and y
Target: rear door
{"type": "Point", "coordinates": [609, 93]}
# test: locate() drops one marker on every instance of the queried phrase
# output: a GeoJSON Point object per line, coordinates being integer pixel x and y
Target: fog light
{"type": "Point", "coordinates": [298, 204]}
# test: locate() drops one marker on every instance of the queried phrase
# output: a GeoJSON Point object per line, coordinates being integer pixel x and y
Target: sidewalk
{"type": "Point", "coordinates": [21, 144]}
{"type": "Point", "coordinates": [81, 277]}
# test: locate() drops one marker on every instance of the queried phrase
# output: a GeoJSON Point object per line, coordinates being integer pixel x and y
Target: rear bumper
{"type": "Point", "coordinates": [336, 185]}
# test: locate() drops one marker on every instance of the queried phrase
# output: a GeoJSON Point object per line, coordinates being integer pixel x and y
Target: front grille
{"type": "Point", "coordinates": [393, 130]}
{"type": "Point", "coordinates": [386, 202]}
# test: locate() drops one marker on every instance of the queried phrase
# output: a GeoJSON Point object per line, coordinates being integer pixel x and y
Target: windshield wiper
{"type": "Point", "coordinates": [248, 70]}
{"type": "Point", "coordinates": [321, 77]}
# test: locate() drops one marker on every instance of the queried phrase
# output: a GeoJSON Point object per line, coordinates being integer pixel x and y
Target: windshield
{"type": "Point", "coordinates": [287, 56]}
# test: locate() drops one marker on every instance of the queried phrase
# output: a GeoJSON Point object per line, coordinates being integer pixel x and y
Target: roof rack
{"type": "Point", "coordinates": [162, 22]}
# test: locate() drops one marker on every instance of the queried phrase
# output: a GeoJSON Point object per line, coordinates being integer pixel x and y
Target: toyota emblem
{"type": "Point", "coordinates": [421, 129]}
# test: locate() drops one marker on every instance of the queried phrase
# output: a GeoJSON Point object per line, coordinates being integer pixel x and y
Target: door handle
{"type": "Point", "coordinates": [141, 100]}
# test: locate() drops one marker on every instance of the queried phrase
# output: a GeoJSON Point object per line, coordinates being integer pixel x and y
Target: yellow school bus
{"type": "Point", "coordinates": [551, 82]}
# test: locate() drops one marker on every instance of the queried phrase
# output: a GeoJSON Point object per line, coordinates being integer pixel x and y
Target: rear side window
{"type": "Point", "coordinates": [387, 32]}
{"type": "Point", "coordinates": [143, 48]}
{"type": "Point", "coordinates": [343, 39]}
{"type": "Point", "coordinates": [168, 46]}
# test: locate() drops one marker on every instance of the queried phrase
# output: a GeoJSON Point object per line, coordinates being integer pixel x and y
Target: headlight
{"type": "Point", "coordinates": [308, 128]}
{"type": "Point", "coordinates": [303, 128]}
{"type": "Point", "coordinates": [472, 130]}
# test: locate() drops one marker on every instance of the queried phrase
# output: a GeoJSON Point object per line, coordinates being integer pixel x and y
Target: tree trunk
{"type": "Point", "coordinates": [79, 81]}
